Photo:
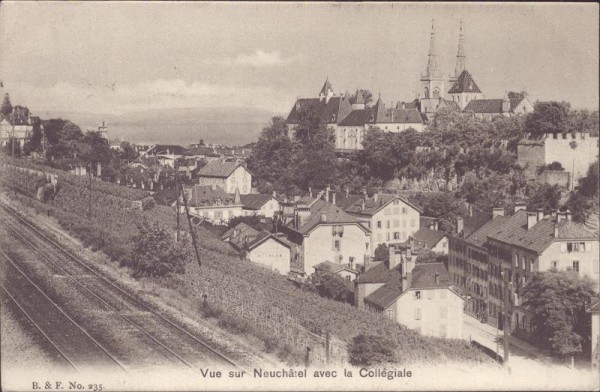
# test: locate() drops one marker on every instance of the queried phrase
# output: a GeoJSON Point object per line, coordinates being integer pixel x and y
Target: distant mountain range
{"type": "Point", "coordinates": [231, 126]}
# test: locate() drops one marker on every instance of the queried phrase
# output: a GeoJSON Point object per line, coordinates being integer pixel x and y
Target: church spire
{"type": "Point", "coordinates": [461, 56]}
{"type": "Point", "coordinates": [432, 59]}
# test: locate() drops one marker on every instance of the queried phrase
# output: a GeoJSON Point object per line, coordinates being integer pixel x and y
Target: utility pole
{"type": "Point", "coordinates": [13, 133]}
{"type": "Point", "coordinates": [90, 193]}
{"type": "Point", "coordinates": [187, 213]}
{"type": "Point", "coordinates": [178, 194]}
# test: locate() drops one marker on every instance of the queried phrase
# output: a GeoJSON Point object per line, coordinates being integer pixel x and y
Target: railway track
{"type": "Point", "coordinates": [169, 339]}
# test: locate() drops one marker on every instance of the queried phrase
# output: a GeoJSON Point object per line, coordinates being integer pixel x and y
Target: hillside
{"type": "Point", "coordinates": [232, 126]}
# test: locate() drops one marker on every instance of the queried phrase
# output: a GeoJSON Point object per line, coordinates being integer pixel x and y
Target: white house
{"type": "Point", "coordinates": [390, 217]}
{"type": "Point", "coordinates": [434, 240]}
{"type": "Point", "coordinates": [212, 204]}
{"type": "Point", "coordinates": [270, 251]}
{"type": "Point", "coordinates": [228, 176]}
{"type": "Point", "coordinates": [259, 204]}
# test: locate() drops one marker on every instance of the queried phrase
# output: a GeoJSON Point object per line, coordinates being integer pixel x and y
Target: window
{"type": "Point", "coordinates": [417, 294]}
{"type": "Point", "coordinates": [387, 224]}
{"type": "Point", "coordinates": [336, 245]}
{"type": "Point", "coordinates": [412, 223]}
{"type": "Point", "coordinates": [516, 260]}
{"type": "Point", "coordinates": [351, 260]}
{"type": "Point", "coordinates": [404, 210]}
{"type": "Point", "coordinates": [404, 223]}
{"type": "Point", "coordinates": [396, 223]}
{"type": "Point", "coordinates": [555, 264]}
{"type": "Point", "coordinates": [417, 313]}
{"type": "Point", "coordinates": [379, 224]}
{"type": "Point", "coordinates": [348, 278]}
{"type": "Point", "coordinates": [396, 235]}
{"type": "Point", "coordinates": [576, 266]}
{"type": "Point", "coordinates": [388, 236]}
{"type": "Point", "coordinates": [390, 313]}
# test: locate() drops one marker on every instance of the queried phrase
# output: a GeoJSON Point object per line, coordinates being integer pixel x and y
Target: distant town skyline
{"type": "Point", "coordinates": [121, 57]}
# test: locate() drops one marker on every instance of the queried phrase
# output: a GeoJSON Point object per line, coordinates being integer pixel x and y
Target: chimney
{"type": "Point", "coordinates": [568, 214]}
{"type": "Point", "coordinates": [365, 195]}
{"type": "Point", "coordinates": [497, 211]}
{"type": "Point", "coordinates": [375, 197]}
{"type": "Point", "coordinates": [553, 213]}
{"type": "Point", "coordinates": [333, 198]}
{"type": "Point", "coordinates": [556, 230]}
{"type": "Point", "coordinates": [470, 210]}
{"type": "Point", "coordinates": [236, 232]}
{"type": "Point", "coordinates": [519, 206]}
{"type": "Point", "coordinates": [362, 205]}
{"type": "Point", "coordinates": [531, 219]}
{"type": "Point", "coordinates": [346, 192]}
{"type": "Point", "coordinates": [296, 217]}
{"type": "Point", "coordinates": [392, 261]}
{"type": "Point", "coordinates": [367, 262]}
{"type": "Point", "coordinates": [540, 214]}
{"type": "Point", "coordinates": [323, 217]}
{"type": "Point", "coordinates": [437, 278]}
{"type": "Point", "coordinates": [327, 194]}
{"type": "Point", "coordinates": [460, 225]}
{"type": "Point", "coordinates": [435, 225]}
{"type": "Point", "coordinates": [310, 192]}
{"type": "Point", "coordinates": [99, 169]}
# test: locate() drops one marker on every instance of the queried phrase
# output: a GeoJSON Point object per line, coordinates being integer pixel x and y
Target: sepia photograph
{"type": "Point", "coordinates": [299, 196]}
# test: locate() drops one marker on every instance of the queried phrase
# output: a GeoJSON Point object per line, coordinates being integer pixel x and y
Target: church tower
{"type": "Point", "coordinates": [432, 82]}
{"type": "Point", "coordinates": [326, 92]}
{"type": "Point", "coordinates": [464, 89]}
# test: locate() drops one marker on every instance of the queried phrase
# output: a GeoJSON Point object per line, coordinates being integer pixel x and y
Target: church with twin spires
{"type": "Point", "coordinates": [350, 116]}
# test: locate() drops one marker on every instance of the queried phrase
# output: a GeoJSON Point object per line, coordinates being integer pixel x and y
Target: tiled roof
{"type": "Point", "coordinates": [541, 235]}
{"type": "Point", "coordinates": [479, 236]}
{"type": "Point", "coordinates": [372, 206]}
{"type": "Point", "coordinates": [356, 118]}
{"type": "Point", "coordinates": [423, 276]}
{"type": "Point", "coordinates": [255, 201]}
{"type": "Point", "coordinates": [492, 106]}
{"type": "Point", "coordinates": [203, 196]}
{"type": "Point", "coordinates": [380, 274]}
{"type": "Point", "coordinates": [464, 84]}
{"type": "Point", "coordinates": [333, 214]}
{"type": "Point", "coordinates": [385, 295]}
{"type": "Point", "coordinates": [264, 236]}
{"type": "Point", "coordinates": [429, 237]}
{"type": "Point", "coordinates": [218, 169]}
{"type": "Point", "coordinates": [243, 229]}
{"type": "Point", "coordinates": [342, 200]}
{"type": "Point", "coordinates": [331, 112]}
{"type": "Point", "coordinates": [172, 148]}
{"type": "Point", "coordinates": [380, 114]}
{"type": "Point", "coordinates": [474, 221]}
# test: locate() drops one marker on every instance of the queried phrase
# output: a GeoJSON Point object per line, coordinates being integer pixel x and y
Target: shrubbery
{"type": "Point", "coordinates": [369, 350]}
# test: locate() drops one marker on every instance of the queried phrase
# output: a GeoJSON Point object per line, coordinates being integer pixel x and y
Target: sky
{"type": "Point", "coordinates": [117, 57]}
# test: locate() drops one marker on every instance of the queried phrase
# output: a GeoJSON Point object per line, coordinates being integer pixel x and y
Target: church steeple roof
{"type": "Point", "coordinates": [326, 87]}
{"type": "Point", "coordinates": [359, 97]}
{"type": "Point", "coordinates": [378, 112]}
{"type": "Point", "coordinates": [431, 71]}
{"type": "Point", "coordinates": [464, 84]}
{"type": "Point", "coordinates": [461, 56]}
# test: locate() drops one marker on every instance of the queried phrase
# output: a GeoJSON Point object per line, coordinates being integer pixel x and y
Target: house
{"type": "Point", "coordinates": [259, 204]}
{"type": "Point", "coordinates": [594, 310]}
{"type": "Point", "coordinates": [574, 151]}
{"type": "Point", "coordinates": [434, 240]}
{"type": "Point", "coordinates": [324, 232]}
{"type": "Point", "coordinates": [211, 204]}
{"type": "Point", "coordinates": [260, 246]}
{"type": "Point", "coordinates": [344, 271]}
{"type": "Point", "coordinates": [419, 297]}
{"type": "Point", "coordinates": [391, 218]}
{"type": "Point", "coordinates": [489, 108]}
{"type": "Point", "coordinates": [227, 176]}
{"type": "Point", "coordinates": [18, 125]}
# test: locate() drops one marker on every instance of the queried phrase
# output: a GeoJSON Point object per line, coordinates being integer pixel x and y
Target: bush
{"type": "Point", "coordinates": [368, 350]}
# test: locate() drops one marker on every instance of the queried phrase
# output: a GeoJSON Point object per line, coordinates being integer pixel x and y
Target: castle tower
{"type": "Point", "coordinates": [359, 102]}
{"type": "Point", "coordinates": [432, 82]}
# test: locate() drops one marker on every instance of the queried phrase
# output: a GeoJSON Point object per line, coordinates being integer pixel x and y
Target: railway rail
{"type": "Point", "coordinates": [181, 345]}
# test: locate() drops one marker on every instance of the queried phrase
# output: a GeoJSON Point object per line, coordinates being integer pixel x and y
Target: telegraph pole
{"type": "Point", "coordinates": [178, 194]}
{"type": "Point", "coordinates": [187, 213]}
{"type": "Point", "coordinates": [90, 193]}
{"type": "Point", "coordinates": [13, 133]}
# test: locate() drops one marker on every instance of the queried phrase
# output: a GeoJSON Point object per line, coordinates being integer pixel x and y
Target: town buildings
{"type": "Point", "coordinates": [494, 262]}
{"type": "Point", "coordinates": [212, 204]}
{"type": "Point", "coordinates": [18, 125]}
{"type": "Point", "coordinates": [228, 176]}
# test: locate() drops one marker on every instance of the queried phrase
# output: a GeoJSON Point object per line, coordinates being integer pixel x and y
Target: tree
{"type": "Point", "coordinates": [369, 350]}
{"type": "Point", "coordinates": [588, 185]}
{"type": "Point", "coordinates": [546, 197]}
{"type": "Point", "coordinates": [156, 253]}
{"type": "Point", "coordinates": [557, 300]}
{"type": "Point", "coordinates": [548, 117]}
{"type": "Point", "coordinates": [556, 166]}
{"type": "Point", "coordinates": [517, 95]}
{"type": "Point", "coordinates": [442, 205]}
{"type": "Point", "coordinates": [6, 107]}
{"type": "Point", "coordinates": [367, 96]}
{"type": "Point", "coordinates": [382, 252]}
{"type": "Point", "coordinates": [330, 285]}
{"type": "Point", "coordinates": [99, 151]}
{"type": "Point", "coordinates": [127, 152]}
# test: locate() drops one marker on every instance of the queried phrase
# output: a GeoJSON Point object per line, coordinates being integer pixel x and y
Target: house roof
{"type": "Point", "coordinates": [394, 116]}
{"type": "Point", "coordinates": [372, 206]}
{"type": "Point", "coordinates": [356, 118]}
{"type": "Point", "coordinates": [429, 237]}
{"type": "Point", "coordinates": [344, 200]}
{"type": "Point", "coordinates": [380, 274]}
{"type": "Point", "coordinates": [464, 84]}
{"type": "Point", "coordinates": [385, 295]}
{"type": "Point", "coordinates": [255, 201]}
{"type": "Point", "coordinates": [514, 232]}
{"type": "Point", "coordinates": [334, 214]}
{"type": "Point", "coordinates": [360, 99]}
{"type": "Point", "coordinates": [423, 276]}
{"type": "Point", "coordinates": [326, 86]}
{"type": "Point", "coordinates": [333, 267]}
{"type": "Point", "coordinates": [479, 236]}
{"type": "Point", "coordinates": [218, 169]}
{"type": "Point", "coordinates": [203, 196]}
{"type": "Point", "coordinates": [426, 221]}
{"type": "Point", "coordinates": [330, 112]}
{"type": "Point", "coordinates": [263, 236]}
{"type": "Point", "coordinates": [487, 106]}
{"type": "Point", "coordinates": [474, 221]}
{"type": "Point", "coordinates": [162, 149]}
{"type": "Point", "coordinates": [243, 228]}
